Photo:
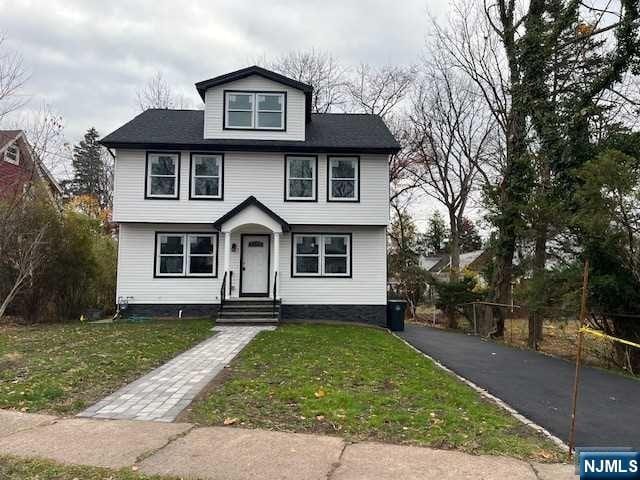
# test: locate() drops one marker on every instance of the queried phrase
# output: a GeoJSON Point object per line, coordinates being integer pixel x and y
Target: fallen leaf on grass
{"type": "Point", "coordinates": [230, 421]}
{"type": "Point", "coordinates": [320, 393]}
{"type": "Point", "coordinates": [320, 418]}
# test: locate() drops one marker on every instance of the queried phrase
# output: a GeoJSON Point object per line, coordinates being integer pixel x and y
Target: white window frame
{"type": "Point", "coordinates": [258, 111]}
{"type": "Point", "coordinates": [17, 151]}
{"type": "Point", "coordinates": [159, 255]}
{"type": "Point", "coordinates": [189, 255]}
{"type": "Point", "coordinates": [321, 255]}
{"type": "Point", "coordinates": [220, 159]}
{"type": "Point", "coordinates": [175, 176]}
{"type": "Point", "coordinates": [331, 179]}
{"type": "Point", "coordinates": [347, 241]}
{"type": "Point", "coordinates": [227, 100]}
{"type": "Point", "coordinates": [254, 110]}
{"type": "Point", "coordinates": [186, 254]}
{"type": "Point", "coordinates": [314, 178]}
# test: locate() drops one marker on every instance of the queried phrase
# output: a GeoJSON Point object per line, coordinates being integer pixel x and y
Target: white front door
{"type": "Point", "coordinates": [255, 265]}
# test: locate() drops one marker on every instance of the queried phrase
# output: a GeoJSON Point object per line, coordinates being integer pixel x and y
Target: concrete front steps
{"type": "Point", "coordinates": [249, 311]}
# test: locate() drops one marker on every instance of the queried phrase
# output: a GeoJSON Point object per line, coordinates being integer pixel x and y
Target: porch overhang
{"type": "Point", "coordinates": [251, 212]}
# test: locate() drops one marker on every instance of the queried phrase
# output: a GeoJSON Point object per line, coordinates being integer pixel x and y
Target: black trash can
{"type": "Point", "coordinates": [395, 315]}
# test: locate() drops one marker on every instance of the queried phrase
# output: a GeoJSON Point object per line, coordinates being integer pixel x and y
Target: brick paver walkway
{"type": "Point", "coordinates": [164, 392]}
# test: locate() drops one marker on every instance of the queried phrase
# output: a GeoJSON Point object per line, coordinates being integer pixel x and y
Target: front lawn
{"type": "Point", "coordinates": [362, 384]}
{"type": "Point", "coordinates": [63, 369]}
{"type": "Point", "coordinates": [12, 468]}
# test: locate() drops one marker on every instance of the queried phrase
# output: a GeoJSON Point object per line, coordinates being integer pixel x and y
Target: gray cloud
{"type": "Point", "coordinates": [87, 57]}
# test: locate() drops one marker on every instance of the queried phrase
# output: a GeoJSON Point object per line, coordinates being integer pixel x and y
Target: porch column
{"type": "Point", "coordinates": [276, 260]}
{"type": "Point", "coordinates": [227, 261]}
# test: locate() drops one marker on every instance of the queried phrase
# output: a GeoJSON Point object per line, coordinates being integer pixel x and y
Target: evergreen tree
{"type": "Point", "coordinates": [434, 240]}
{"type": "Point", "coordinates": [90, 172]}
{"type": "Point", "coordinates": [470, 239]}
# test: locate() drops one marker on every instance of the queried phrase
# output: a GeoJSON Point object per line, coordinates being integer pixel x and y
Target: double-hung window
{"type": "Point", "coordinates": [343, 181]}
{"type": "Point", "coordinates": [163, 173]}
{"type": "Point", "coordinates": [206, 176]}
{"type": "Point", "coordinates": [301, 178]}
{"type": "Point", "coordinates": [12, 154]}
{"type": "Point", "coordinates": [239, 110]}
{"type": "Point", "coordinates": [321, 255]}
{"type": "Point", "coordinates": [255, 110]}
{"type": "Point", "coordinates": [186, 254]}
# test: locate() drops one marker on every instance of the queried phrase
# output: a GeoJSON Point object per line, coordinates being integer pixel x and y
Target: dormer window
{"type": "Point", "coordinates": [12, 154]}
{"type": "Point", "coordinates": [255, 110]}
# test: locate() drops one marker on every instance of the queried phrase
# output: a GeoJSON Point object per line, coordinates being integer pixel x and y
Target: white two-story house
{"type": "Point", "coordinates": [255, 206]}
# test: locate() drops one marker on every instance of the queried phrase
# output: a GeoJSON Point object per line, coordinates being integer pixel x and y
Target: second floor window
{"type": "Point", "coordinates": [301, 178]}
{"type": "Point", "coordinates": [206, 176]}
{"type": "Point", "coordinates": [343, 179]}
{"type": "Point", "coordinates": [12, 154]}
{"type": "Point", "coordinates": [163, 172]}
{"type": "Point", "coordinates": [255, 110]}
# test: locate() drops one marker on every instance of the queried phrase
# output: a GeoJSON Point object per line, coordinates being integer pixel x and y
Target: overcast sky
{"type": "Point", "coordinates": [86, 58]}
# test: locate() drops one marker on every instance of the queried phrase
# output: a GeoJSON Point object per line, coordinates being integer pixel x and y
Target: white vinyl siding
{"type": "Point", "coordinates": [258, 174]}
{"type": "Point", "coordinates": [215, 107]}
{"type": "Point", "coordinates": [367, 285]}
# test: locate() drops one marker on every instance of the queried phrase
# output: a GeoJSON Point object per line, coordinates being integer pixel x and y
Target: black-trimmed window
{"type": "Point", "coordinates": [163, 175]}
{"type": "Point", "coordinates": [255, 110]}
{"type": "Point", "coordinates": [207, 176]}
{"type": "Point", "coordinates": [301, 178]}
{"type": "Point", "coordinates": [321, 255]}
{"type": "Point", "coordinates": [186, 254]}
{"type": "Point", "coordinates": [343, 179]}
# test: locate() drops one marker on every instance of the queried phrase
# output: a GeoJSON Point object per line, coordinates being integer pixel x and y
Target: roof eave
{"type": "Point", "coordinates": [204, 85]}
{"type": "Point", "coordinates": [248, 148]}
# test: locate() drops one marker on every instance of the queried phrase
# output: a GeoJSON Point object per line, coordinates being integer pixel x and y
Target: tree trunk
{"type": "Point", "coordinates": [536, 318]}
{"type": "Point", "coordinates": [454, 248]}
{"type": "Point", "coordinates": [503, 275]}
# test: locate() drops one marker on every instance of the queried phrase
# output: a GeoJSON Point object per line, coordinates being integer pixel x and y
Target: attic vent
{"type": "Point", "coordinates": [12, 155]}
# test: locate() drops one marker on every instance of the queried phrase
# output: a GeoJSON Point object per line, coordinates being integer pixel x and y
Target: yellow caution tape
{"type": "Point", "coordinates": [608, 337]}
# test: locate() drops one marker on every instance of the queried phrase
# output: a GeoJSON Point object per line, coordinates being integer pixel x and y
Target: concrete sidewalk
{"type": "Point", "coordinates": [228, 453]}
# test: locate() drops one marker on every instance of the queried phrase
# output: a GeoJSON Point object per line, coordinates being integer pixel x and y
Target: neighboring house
{"type": "Point", "coordinates": [20, 166]}
{"type": "Point", "coordinates": [253, 198]}
{"type": "Point", "coordinates": [439, 265]}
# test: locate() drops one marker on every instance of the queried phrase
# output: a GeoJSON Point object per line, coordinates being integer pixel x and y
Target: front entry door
{"type": "Point", "coordinates": [254, 260]}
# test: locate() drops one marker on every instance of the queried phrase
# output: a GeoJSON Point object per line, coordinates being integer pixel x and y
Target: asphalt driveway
{"type": "Point", "coordinates": [540, 387]}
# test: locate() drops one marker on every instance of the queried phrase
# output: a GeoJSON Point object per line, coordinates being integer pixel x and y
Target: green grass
{"type": "Point", "coordinates": [362, 384]}
{"type": "Point", "coordinates": [63, 369]}
{"type": "Point", "coordinates": [12, 468]}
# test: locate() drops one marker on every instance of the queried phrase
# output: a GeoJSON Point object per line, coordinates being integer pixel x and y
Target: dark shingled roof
{"type": "Point", "coordinates": [203, 86]}
{"type": "Point", "coordinates": [327, 132]}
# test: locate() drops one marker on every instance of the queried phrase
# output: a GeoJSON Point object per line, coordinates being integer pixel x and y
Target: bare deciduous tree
{"type": "Point", "coordinates": [380, 90]}
{"type": "Point", "coordinates": [157, 93]}
{"type": "Point", "coordinates": [13, 76]}
{"type": "Point", "coordinates": [23, 258]}
{"type": "Point", "coordinates": [316, 68]}
{"type": "Point", "coordinates": [452, 143]}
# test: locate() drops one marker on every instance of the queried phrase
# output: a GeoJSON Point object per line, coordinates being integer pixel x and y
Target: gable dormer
{"type": "Point", "coordinates": [255, 104]}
